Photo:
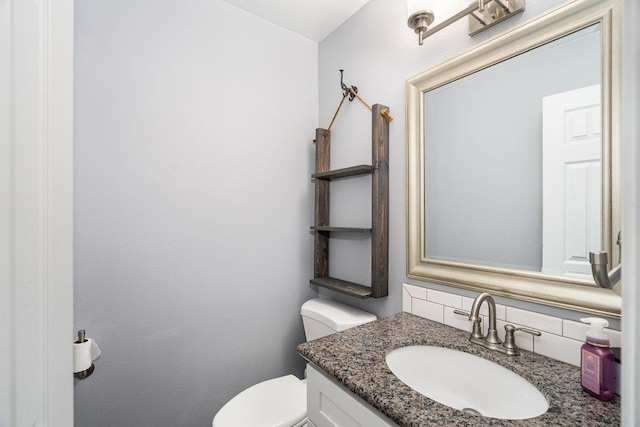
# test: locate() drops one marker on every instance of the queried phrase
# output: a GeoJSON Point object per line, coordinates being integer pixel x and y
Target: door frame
{"type": "Point", "coordinates": [36, 212]}
{"type": "Point", "coordinates": [630, 152]}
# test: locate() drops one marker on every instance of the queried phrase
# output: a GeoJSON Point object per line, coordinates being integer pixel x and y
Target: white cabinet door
{"type": "Point", "coordinates": [571, 189]}
{"type": "Point", "coordinates": [330, 404]}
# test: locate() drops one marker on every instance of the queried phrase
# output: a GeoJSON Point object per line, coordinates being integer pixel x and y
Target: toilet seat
{"type": "Point", "coordinates": [279, 402]}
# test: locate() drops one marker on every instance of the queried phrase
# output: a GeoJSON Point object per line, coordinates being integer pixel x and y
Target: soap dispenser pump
{"type": "Point", "coordinates": [597, 361]}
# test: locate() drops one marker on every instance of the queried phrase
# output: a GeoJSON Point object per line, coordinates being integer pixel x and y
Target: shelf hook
{"type": "Point", "coordinates": [346, 91]}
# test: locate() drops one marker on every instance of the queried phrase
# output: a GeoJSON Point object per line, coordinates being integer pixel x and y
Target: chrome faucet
{"type": "Point", "coordinates": [599, 260]}
{"type": "Point", "coordinates": [603, 278]}
{"type": "Point", "coordinates": [491, 340]}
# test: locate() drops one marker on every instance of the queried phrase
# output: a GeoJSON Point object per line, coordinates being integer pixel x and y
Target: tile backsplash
{"type": "Point", "coordinates": [561, 338]}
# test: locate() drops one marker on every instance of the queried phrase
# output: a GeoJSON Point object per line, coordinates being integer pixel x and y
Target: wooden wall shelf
{"type": "Point", "coordinates": [379, 171]}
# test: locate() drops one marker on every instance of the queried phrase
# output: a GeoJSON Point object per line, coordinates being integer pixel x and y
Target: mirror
{"type": "Point", "coordinates": [495, 189]}
{"type": "Point", "coordinates": [513, 161]}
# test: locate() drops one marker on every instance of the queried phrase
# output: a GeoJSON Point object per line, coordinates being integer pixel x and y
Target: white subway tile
{"type": "Point", "coordinates": [406, 301]}
{"type": "Point", "coordinates": [578, 331]}
{"type": "Point", "coordinates": [615, 337]}
{"type": "Point", "coordinates": [501, 312]}
{"type": "Point", "coordinates": [574, 330]}
{"type": "Point", "coordinates": [484, 325]}
{"type": "Point", "coordinates": [444, 298]}
{"type": "Point", "coordinates": [484, 309]}
{"type": "Point", "coordinates": [428, 310]}
{"type": "Point", "coordinates": [416, 291]}
{"type": "Point", "coordinates": [532, 320]}
{"type": "Point", "coordinates": [557, 347]}
{"type": "Point", "coordinates": [561, 339]}
{"type": "Point", "coordinates": [456, 320]}
{"type": "Point", "coordinates": [523, 339]}
{"type": "Point", "coordinates": [467, 303]}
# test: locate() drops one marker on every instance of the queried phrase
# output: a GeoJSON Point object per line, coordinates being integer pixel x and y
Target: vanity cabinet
{"type": "Point", "coordinates": [330, 404]}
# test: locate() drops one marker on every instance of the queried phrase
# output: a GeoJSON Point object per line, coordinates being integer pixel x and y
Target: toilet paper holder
{"type": "Point", "coordinates": [87, 372]}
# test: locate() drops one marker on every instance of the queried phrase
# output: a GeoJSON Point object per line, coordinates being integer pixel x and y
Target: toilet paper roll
{"type": "Point", "coordinates": [84, 354]}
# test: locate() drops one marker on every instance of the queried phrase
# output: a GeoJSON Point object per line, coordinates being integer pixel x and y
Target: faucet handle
{"type": "Point", "coordinates": [462, 312]}
{"type": "Point", "coordinates": [465, 313]}
{"type": "Point", "coordinates": [477, 330]}
{"type": "Point", "coordinates": [529, 331]}
{"type": "Point", "coordinates": [510, 339]}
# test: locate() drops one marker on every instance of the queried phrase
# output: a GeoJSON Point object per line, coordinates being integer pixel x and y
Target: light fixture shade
{"type": "Point", "coordinates": [442, 9]}
{"type": "Point", "coordinates": [414, 6]}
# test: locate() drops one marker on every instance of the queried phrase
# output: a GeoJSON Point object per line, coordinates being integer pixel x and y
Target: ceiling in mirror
{"type": "Point", "coordinates": [513, 161]}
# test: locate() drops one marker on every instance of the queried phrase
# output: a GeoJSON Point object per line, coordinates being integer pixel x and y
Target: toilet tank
{"type": "Point", "coordinates": [323, 317]}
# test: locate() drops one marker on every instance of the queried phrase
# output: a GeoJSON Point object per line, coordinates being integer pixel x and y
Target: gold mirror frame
{"type": "Point", "coordinates": [574, 294]}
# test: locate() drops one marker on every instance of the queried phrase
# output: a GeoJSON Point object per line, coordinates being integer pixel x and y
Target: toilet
{"type": "Point", "coordinates": [282, 402]}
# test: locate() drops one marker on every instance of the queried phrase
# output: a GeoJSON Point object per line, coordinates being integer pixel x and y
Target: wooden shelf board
{"type": "Point", "coordinates": [342, 286]}
{"type": "Point", "coordinates": [344, 173]}
{"type": "Point", "coordinates": [341, 229]}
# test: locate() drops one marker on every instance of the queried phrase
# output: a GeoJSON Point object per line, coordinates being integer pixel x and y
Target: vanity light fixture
{"type": "Point", "coordinates": [482, 14]}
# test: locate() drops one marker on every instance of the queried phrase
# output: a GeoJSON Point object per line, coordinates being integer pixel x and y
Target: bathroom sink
{"type": "Point", "coordinates": [466, 382]}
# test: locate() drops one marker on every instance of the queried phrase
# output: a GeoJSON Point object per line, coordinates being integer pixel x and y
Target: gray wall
{"type": "Point", "coordinates": [193, 123]}
{"type": "Point", "coordinates": [378, 53]}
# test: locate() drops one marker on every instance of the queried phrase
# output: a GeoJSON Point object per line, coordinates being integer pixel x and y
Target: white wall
{"type": "Point", "coordinates": [193, 123]}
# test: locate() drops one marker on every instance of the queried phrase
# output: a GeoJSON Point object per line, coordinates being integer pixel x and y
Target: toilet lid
{"type": "Point", "coordinates": [280, 402]}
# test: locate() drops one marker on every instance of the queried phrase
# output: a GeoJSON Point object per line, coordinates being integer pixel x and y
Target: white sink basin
{"type": "Point", "coordinates": [466, 382]}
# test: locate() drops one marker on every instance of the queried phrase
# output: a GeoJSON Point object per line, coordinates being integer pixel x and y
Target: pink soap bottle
{"type": "Point", "coordinates": [597, 361]}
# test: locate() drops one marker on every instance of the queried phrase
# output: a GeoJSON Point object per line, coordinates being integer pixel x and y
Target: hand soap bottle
{"type": "Point", "coordinates": [597, 361]}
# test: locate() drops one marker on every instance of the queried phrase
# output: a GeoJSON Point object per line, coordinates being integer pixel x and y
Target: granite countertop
{"type": "Point", "coordinates": [356, 358]}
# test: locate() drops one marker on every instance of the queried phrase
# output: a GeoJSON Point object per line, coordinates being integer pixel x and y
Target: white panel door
{"type": "Point", "coordinates": [571, 190]}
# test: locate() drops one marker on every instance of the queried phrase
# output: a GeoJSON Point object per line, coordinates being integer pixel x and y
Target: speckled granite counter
{"type": "Point", "coordinates": [356, 358]}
